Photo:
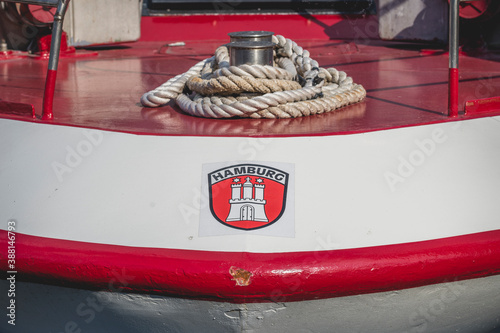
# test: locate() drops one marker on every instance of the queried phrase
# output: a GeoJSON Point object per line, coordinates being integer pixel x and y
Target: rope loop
{"type": "Point", "coordinates": [295, 86]}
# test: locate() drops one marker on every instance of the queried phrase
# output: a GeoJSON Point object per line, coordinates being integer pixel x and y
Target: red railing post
{"type": "Point", "coordinates": [453, 59]}
{"type": "Point", "coordinates": [55, 47]}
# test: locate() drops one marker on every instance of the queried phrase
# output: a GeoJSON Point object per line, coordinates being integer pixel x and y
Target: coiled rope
{"type": "Point", "coordinates": [296, 86]}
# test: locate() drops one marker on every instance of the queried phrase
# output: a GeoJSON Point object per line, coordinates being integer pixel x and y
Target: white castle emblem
{"type": "Point", "coordinates": [250, 207]}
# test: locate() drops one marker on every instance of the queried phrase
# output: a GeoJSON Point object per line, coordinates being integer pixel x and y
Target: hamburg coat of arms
{"type": "Point", "coordinates": [247, 196]}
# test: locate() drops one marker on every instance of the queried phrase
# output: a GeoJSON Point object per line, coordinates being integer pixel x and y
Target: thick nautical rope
{"type": "Point", "coordinates": [212, 88]}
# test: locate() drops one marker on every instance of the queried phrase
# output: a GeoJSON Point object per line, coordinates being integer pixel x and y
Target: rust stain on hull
{"type": "Point", "coordinates": [241, 276]}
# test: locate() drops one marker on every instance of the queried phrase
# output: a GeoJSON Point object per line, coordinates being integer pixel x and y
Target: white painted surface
{"type": "Point", "coordinates": [117, 188]}
{"type": "Point", "coordinates": [421, 20]}
{"type": "Point", "coordinates": [471, 306]}
{"type": "Point", "coordinates": [93, 22]}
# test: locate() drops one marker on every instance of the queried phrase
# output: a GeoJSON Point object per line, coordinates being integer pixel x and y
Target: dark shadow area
{"type": "Point", "coordinates": [360, 28]}
{"type": "Point", "coordinates": [248, 6]}
{"type": "Point", "coordinates": [104, 47]}
{"type": "Point", "coordinates": [430, 24]}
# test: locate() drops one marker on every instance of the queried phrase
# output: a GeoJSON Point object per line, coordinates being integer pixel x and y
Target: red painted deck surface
{"type": "Point", "coordinates": [406, 85]}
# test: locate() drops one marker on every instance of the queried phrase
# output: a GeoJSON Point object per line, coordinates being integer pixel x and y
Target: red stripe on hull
{"type": "Point", "coordinates": [267, 276]}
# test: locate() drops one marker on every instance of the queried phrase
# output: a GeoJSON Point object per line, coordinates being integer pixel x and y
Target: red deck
{"type": "Point", "coordinates": [406, 85]}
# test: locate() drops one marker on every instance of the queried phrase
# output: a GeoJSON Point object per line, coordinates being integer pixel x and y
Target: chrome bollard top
{"type": "Point", "coordinates": [251, 48]}
{"type": "Point", "coordinates": [251, 36]}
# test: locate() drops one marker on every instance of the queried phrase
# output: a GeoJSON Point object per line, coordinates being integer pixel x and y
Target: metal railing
{"type": "Point", "coordinates": [453, 59]}
{"type": "Point", "coordinates": [50, 81]}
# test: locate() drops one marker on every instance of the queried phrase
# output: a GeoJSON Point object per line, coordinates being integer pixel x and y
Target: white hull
{"type": "Point", "coordinates": [351, 191]}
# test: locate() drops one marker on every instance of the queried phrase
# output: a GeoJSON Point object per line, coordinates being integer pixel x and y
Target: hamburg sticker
{"type": "Point", "coordinates": [248, 196]}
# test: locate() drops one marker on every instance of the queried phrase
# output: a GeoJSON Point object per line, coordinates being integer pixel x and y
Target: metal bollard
{"type": "Point", "coordinates": [251, 36]}
{"type": "Point", "coordinates": [251, 48]}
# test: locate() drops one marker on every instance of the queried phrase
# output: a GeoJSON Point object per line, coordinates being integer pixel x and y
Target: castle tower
{"type": "Point", "coordinates": [248, 207]}
{"type": "Point", "coordinates": [259, 189]}
{"type": "Point", "coordinates": [247, 189]}
{"type": "Point", "coordinates": [236, 190]}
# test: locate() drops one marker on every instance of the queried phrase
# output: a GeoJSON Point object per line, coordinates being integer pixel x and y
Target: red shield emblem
{"type": "Point", "coordinates": [247, 196]}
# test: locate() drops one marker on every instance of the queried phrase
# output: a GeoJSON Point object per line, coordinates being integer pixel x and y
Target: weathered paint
{"type": "Point", "coordinates": [262, 277]}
